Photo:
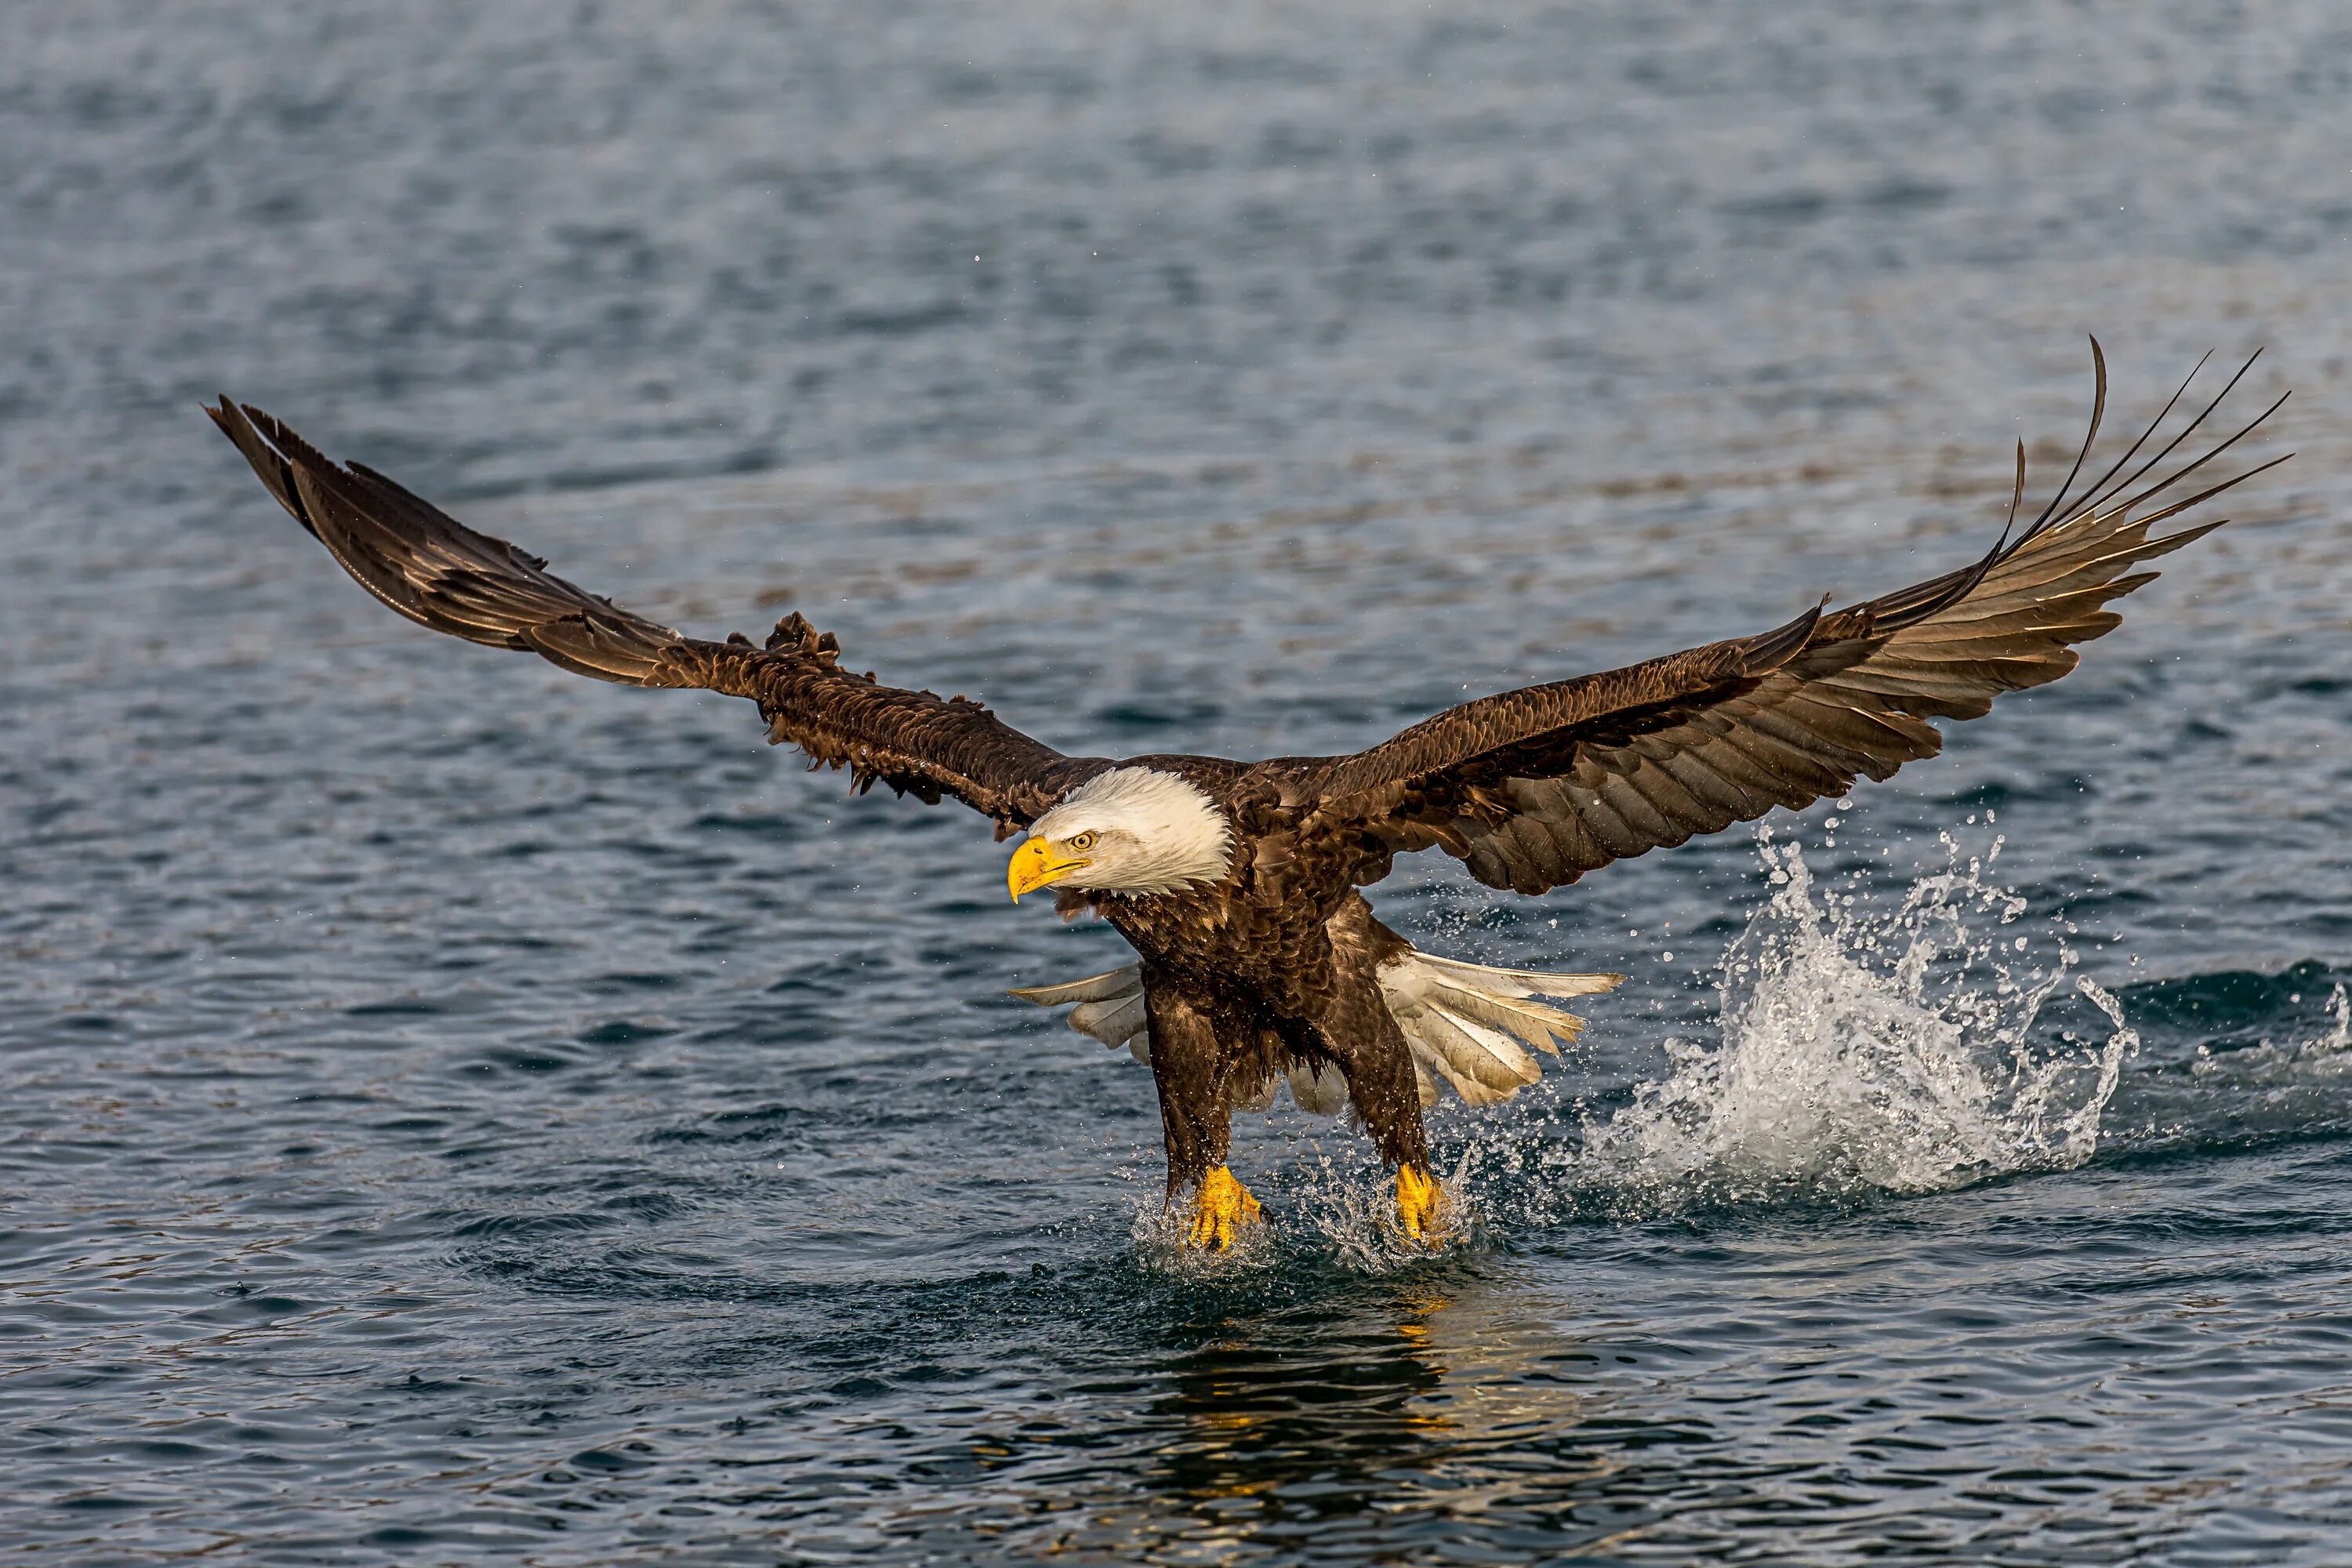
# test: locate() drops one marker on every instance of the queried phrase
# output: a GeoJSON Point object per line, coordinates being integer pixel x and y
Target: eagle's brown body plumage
{"type": "Point", "coordinates": [1277, 965]}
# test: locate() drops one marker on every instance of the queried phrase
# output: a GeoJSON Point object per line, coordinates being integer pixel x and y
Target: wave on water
{"type": "Point", "coordinates": [2242, 1060]}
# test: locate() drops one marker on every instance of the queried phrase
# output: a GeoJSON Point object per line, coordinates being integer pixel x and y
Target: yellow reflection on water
{"type": "Point", "coordinates": [1419, 1398]}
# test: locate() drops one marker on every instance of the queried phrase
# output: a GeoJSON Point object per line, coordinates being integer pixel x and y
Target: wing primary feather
{"type": "Point", "coordinates": [1770, 650]}
{"type": "Point", "coordinates": [2205, 495]}
{"type": "Point", "coordinates": [428, 567]}
{"type": "Point", "coordinates": [2100, 501]}
{"type": "Point", "coordinates": [2160, 487]}
{"type": "Point", "coordinates": [2016, 494]}
{"type": "Point", "coordinates": [2090, 499]}
{"type": "Point", "coordinates": [1892, 612]}
{"type": "Point", "coordinates": [277, 476]}
{"type": "Point", "coordinates": [1537, 786]}
{"type": "Point", "coordinates": [2098, 410]}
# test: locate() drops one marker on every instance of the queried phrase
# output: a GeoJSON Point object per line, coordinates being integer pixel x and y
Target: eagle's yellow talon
{"type": "Point", "coordinates": [1420, 1204]}
{"type": "Point", "coordinates": [1222, 1204]}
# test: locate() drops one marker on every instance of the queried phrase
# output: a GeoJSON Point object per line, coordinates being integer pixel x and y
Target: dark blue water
{"type": "Point", "coordinates": [455, 1111]}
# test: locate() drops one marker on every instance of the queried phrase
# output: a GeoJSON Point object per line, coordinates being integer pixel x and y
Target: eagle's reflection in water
{"type": "Point", "coordinates": [1452, 1408]}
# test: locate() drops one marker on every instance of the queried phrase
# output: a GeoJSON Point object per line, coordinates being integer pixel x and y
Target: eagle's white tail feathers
{"type": "Point", "coordinates": [1458, 1020]}
{"type": "Point", "coordinates": [1484, 1066]}
{"type": "Point", "coordinates": [1540, 1026]}
{"type": "Point", "coordinates": [1514, 982]}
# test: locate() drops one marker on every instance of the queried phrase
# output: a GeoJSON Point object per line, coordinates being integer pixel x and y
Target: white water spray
{"type": "Point", "coordinates": [1863, 1052]}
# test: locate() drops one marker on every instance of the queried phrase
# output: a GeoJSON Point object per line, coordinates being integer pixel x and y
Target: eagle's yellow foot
{"type": "Point", "coordinates": [1420, 1204]}
{"type": "Point", "coordinates": [1221, 1205]}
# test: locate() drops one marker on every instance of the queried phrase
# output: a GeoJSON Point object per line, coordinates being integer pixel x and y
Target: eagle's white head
{"type": "Point", "coordinates": [1130, 830]}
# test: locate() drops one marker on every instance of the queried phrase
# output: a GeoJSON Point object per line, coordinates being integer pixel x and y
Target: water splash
{"type": "Point", "coordinates": [1334, 1204]}
{"type": "Point", "coordinates": [1862, 1047]}
{"type": "Point", "coordinates": [1864, 1052]}
{"type": "Point", "coordinates": [1347, 1203]}
{"type": "Point", "coordinates": [1160, 1236]}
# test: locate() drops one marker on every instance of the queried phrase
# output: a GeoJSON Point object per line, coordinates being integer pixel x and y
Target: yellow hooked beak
{"type": "Point", "coordinates": [1034, 866]}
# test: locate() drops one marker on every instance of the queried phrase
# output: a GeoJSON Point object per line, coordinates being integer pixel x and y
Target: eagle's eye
{"type": "Point", "coordinates": [1082, 842]}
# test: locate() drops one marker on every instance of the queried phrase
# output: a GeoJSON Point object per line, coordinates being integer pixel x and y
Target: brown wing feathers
{"type": "Point", "coordinates": [435, 570]}
{"type": "Point", "coordinates": [440, 574]}
{"type": "Point", "coordinates": [1533, 788]}
{"type": "Point", "coordinates": [916, 742]}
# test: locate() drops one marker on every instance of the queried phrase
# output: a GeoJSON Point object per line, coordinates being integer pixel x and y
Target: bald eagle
{"type": "Point", "coordinates": [1258, 961]}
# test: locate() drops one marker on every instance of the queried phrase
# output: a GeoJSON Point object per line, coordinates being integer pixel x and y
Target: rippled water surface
{"type": "Point", "coordinates": [459, 1112]}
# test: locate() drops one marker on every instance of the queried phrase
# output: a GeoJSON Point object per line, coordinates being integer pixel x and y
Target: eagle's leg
{"type": "Point", "coordinates": [1420, 1204]}
{"type": "Point", "coordinates": [1357, 1024]}
{"type": "Point", "coordinates": [1220, 1206]}
{"type": "Point", "coordinates": [1386, 1094]}
{"type": "Point", "coordinates": [1195, 1117]}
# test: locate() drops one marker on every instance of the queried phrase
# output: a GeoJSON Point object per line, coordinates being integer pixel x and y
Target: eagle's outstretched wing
{"type": "Point", "coordinates": [440, 574]}
{"type": "Point", "coordinates": [1535, 788]}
